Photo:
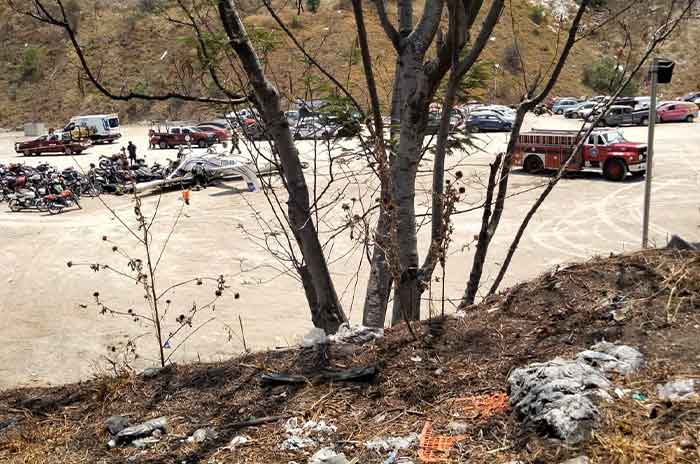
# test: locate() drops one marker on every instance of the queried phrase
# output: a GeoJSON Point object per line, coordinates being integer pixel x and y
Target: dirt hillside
{"type": "Point", "coordinates": [456, 370]}
{"type": "Point", "coordinates": [132, 45]}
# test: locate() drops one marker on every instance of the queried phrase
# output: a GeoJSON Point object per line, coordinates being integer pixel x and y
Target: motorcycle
{"type": "Point", "coordinates": [26, 199]}
{"type": "Point", "coordinates": [56, 202]}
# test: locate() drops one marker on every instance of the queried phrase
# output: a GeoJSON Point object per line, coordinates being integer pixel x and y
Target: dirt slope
{"type": "Point", "coordinates": [656, 298]}
{"type": "Point", "coordinates": [126, 42]}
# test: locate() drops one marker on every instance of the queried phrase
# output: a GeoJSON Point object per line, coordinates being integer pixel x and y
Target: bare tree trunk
{"type": "Point", "coordinates": [407, 292]}
{"type": "Point", "coordinates": [414, 109]}
{"type": "Point", "coordinates": [379, 284]}
{"type": "Point", "coordinates": [323, 300]}
{"type": "Point", "coordinates": [380, 278]}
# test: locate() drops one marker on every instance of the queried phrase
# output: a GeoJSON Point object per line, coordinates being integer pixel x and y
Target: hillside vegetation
{"type": "Point", "coordinates": [126, 43]}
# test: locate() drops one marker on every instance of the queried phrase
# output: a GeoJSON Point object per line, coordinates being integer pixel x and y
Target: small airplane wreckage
{"type": "Point", "coordinates": [217, 165]}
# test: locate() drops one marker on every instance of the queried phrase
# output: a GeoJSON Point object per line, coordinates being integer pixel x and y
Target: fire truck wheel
{"type": "Point", "coordinates": [162, 145]}
{"type": "Point", "coordinates": [533, 164]}
{"type": "Point", "coordinates": [615, 170]}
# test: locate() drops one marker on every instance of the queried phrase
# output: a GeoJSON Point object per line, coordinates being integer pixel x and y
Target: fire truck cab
{"type": "Point", "coordinates": [605, 150]}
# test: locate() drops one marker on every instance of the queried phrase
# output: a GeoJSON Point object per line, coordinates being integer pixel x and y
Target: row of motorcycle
{"type": "Point", "coordinates": [41, 188]}
{"type": "Point", "coordinates": [46, 188]}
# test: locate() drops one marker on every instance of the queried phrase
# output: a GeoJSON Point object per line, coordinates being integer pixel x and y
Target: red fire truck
{"type": "Point", "coordinates": [605, 150]}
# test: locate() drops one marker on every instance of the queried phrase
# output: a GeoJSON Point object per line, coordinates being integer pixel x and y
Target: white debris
{"type": "Point", "coordinates": [679, 390]}
{"type": "Point", "coordinates": [237, 441]}
{"type": "Point", "coordinates": [560, 9]}
{"type": "Point", "coordinates": [201, 435]}
{"type": "Point", "coordinates": [328, 456]}
{"type": "Point", "coordinates": [316, 336]}
{"type": "Point", "coordinates": [304, 435]}
{"type": "Point", "coordinates": [356, 334]}
{"type": "Point", "coordinates": [392, 443]}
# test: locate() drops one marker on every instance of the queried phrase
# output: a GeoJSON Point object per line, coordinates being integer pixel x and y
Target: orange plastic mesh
{"type": "Point", "coordinates": [435, 448]}
{"type": "Point", "coordinates": [485, 406]}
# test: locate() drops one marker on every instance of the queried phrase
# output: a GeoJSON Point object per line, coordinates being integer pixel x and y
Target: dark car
{"type": "Point", "coordinates": [691, 97]}
{"type": "Point", "coordinates": [487, 122]}
{"type": "Point", "coordinates": [618, 115]}
{"type": "Point", "coordinates": [53, 143]}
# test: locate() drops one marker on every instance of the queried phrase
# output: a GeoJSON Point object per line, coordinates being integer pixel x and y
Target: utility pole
{"type": "Point", "coordinates": [661, 73]}
{"type": "Point", "coordinates": [650, 152]}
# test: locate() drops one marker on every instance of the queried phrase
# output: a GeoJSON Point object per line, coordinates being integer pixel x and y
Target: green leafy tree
{"type": "Point", "coordinates": [312, 5]}
{"type": "Point", "coordinates": [30, 68]}
{"type": "Point", "coordinates": [605, 75]}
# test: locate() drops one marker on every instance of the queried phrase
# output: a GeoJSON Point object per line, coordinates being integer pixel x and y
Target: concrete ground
{"type": "Point", "coordinates": [47, 337]}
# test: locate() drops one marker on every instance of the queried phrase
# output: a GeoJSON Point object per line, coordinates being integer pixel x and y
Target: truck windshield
{"type": "Point", "coordinates": [113, 123]}
{"type": "Point", "coordinates": [614, 137]}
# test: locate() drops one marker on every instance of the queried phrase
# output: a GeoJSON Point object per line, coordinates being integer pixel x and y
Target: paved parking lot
{"type": "Point", "coordinates": [48, 337]}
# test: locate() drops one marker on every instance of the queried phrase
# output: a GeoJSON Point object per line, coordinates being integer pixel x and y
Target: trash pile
{"type": "Point", "coordinates": [139, 436]}
{"type": "Point", "coordinates": [346, 333]}
{"type": "Point", "coordinates": [559, 397]}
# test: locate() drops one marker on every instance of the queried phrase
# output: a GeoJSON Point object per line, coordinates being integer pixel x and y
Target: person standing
{"type": "Point", "coordinates": [131, 148]}
{"type": "Point", "coordinates": [200, 176]}
{"type": "Point", "coordinates": [234, 142]}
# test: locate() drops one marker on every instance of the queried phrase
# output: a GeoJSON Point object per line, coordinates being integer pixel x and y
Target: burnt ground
{"type": "Point", "coordinates": [650, 300]}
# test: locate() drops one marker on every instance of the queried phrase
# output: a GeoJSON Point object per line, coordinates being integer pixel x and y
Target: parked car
{"type": "Point", "coordinates": [52, 143]}
{"type": "Point", "coordinates": [506, 111]}
{"type": "Point", "coordinates": [484, 122]}
{"type": "Point", "coordinates": [642, 103]}
{"type": "Point", "coordinates": [579, 110]}
{"type": "Point", "coordinates": [619, 115]}
{"type": "Point", "coordinates": [561, 106]}
{"type": "Point", "coordinates": [487, 111]}
{"type": "Point", "coordinates": [180, 135]}
{"type": "Point", "coordinates": [677, 111]}
{"type": "Point", "coordinates": [456, 119]}
{"type": "Point", "coordinates": [691, 97]}
{"type": "Point", "coordinates": [310, 128]}
{"type": "Point", "coordinates": [220, 133]}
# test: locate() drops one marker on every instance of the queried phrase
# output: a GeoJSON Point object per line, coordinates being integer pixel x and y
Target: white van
{"type": "Point", "coordinates": [104, 128]}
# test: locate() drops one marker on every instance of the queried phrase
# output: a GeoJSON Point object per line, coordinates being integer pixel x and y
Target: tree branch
{"type": "Point", "coordinates": [44, 15]}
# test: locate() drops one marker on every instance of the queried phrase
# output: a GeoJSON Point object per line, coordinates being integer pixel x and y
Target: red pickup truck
{"type": "Point", "coordinates": [52, 143]}
{"type": "Point", "coordinates": [179, 135]}
{"type": "Point", "coordinates": [605, 150]}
